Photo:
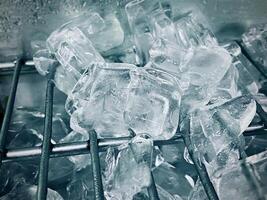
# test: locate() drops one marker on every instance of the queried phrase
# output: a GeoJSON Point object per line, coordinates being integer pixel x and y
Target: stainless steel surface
{"type": "Point", "coordinates": [23, 21]}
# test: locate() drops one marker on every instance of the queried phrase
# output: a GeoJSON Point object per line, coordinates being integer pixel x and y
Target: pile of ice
{"type": "Point", "coordinates": [168, 76]}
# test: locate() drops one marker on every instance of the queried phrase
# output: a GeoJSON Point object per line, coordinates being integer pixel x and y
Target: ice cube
{"type": "Point", "coordinates": [198, 192]}
{"type": "Point", "coordinates": [80, 161]}
{"type": "Point", "coordinates": [172, 180]}
{"type": "Point", "coordinates": [26, 138]}
{"type": "Point", "coordinates": [99, 99]}
{"type": "Point", "coordinates": [163, 26]}
{"type": "Point", "coordinates": [14, 173]}
{"type": "Point", "coordinates": [234, 182]}
{"type": "Point", "coordinates": [65, 79]}
{"type": "Point", "coordinates": [203, 72]}
{"type": "Point", "coordinates": [173, 153]}
{"type": "Point", "coordinates": [190, 33]}
{"type": "Point", "coordinates": [60, 171]}
{"type": "Point", "coordinates": [227, 88]}
{"type": "Point", "coordinates": [140, 25]}
{"type": "Point", "coordinates": [110, 36]}
{"type": "Point", "coordinates": [258, 162]}
{"type": "Point", "coordinates": [75, 51]}
{"type": "Point", "coordinates": [256, 44]}
{"type": "Point", "coordinates": [247, 78]}
{"type": "Point", "coordinates": [128, 168]}
{"type": "Point", "coordinates": [168, 56]}
{"type": "Point", "coordinates": [208, 65]}
{"type": "Point", "coordinates": [28, 192]}
{"type": "Point", "coordinates": [215, 131]}
{"type": "Point", "coordinates": [164, 195]}
{"type": "Point", "coordinates": [158, 92]}
{"type": "Point", "coordinates": [81, 185]}
{"type": "Point", "coordinates": [96, 28]}
{"type": "Point", "coordinates": [43, 60]}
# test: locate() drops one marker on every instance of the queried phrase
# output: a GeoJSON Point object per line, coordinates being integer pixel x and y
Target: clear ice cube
{"type": "Point", "coordinates": [247, 83]}
{"type": "Point", "coordinates": [172, 180]}
{"type": "Point", "coordinates": [110, 36]}
{"type": "Point", "coordinates": [153, 103]}
{"type": "Point", "coordinates": [235, 182]}
{"type": "Point", "coordinates": [99, 100]}
{"type": "Point", "coordinates": [65, 79]}
{"type": "Point", "coordinates": [190, 33]}
{"type": "Point", "coordinates": [128, 168]}
{"type": "Point", "coordinates": [202, 74]}
{"type": "Point", "coordinates": [215, 131]}
{"type": "Point", "coordinates": [81, 185]}
{"type": "Point", "coordinates": [168, 56]}
{"type": "Point", "coordinates": [73, 50]}
{"type": "Point", "coordinates": [140, 25]}
{"type": "Point", "coordinates": [163, 26]}
{"type": "Point", "coordinates": [227, 88]}
{"type": "Point", "coordinates": [198, 192]}
{"type": "Point", "coordinates": [43, 60]}
{"type": "Point", "coordinates": [95, 27]}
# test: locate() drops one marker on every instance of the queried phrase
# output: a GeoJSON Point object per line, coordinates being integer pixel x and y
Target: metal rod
{"type": "Point", "coordinates": [201, 170]}
{"type": "Point", "coordinates": [98, 186]}
{"type": "Point", "coordinates": [9, 109]}
{"type": "Point", "coordinates": [78, 148]}
{"type": "Point", "coordinates": [46, 145]}
{"type": "Point", "coordinates": [152, 190]}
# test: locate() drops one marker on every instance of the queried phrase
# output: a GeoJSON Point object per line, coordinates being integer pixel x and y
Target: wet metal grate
{"type": "Point", "coordinates": [93, 146]}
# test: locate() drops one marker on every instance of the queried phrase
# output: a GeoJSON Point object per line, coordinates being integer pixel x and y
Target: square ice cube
{"type": "Point", "coordinates": [153, 103]}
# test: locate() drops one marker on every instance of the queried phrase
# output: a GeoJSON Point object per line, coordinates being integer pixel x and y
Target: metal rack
{"type": "Point", "coordinates": [93, 146]}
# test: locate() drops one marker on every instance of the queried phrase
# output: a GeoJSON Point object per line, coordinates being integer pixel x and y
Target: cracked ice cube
{"type": "Point", "coordinates": [153, 103]}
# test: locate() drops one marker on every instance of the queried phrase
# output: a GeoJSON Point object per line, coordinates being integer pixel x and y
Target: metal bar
{"type": "Point", "coordinates": [98, 186]}
{"type": "Point", "coordinates": [78, 148]}
{"type": "Point", "coordinates": [9, 109]}
{"type": "Point", "coordinates": [201, 170]}
{"type": "Point", "coordinates": [46, 145]}
{"type": "Point", "coordinates": [152, 190]}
